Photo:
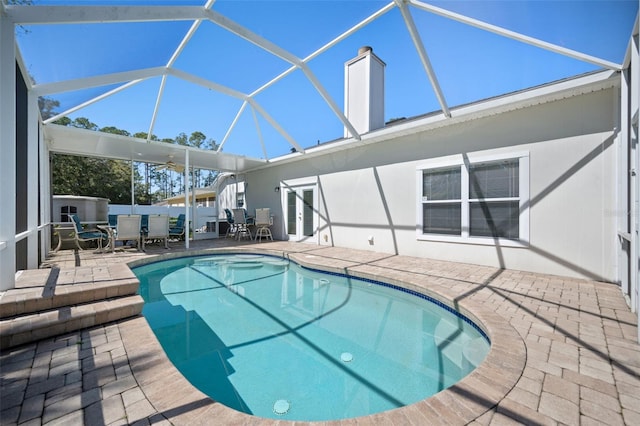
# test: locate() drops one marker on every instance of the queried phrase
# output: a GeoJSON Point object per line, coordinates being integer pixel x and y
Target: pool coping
{"type": "Point", "coordinates": [478, 392]}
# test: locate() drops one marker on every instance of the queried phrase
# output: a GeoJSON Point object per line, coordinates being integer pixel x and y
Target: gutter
{"type": "Point", "coordinates": [539, 95]}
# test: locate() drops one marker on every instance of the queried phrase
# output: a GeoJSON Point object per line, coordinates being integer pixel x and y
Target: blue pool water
{"type": "Point", "coordinates": [267, 337]}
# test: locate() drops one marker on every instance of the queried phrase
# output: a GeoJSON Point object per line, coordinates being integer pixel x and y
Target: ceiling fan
{"type": "Point", "coordinates": [170, 165]}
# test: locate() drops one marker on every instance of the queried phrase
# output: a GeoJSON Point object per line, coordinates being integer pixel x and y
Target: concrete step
{"type": "Point", "coordinates": [31, 327]}
{"type": "Point", "coordinates": [49, 302]}
{"type": "Point", "coordinates": [45, 289]}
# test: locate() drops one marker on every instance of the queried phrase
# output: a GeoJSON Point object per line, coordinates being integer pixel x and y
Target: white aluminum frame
{"type": "Point", "coordinates": [8, 149]}
{"type": "Point", "coordinates": [27, 15]}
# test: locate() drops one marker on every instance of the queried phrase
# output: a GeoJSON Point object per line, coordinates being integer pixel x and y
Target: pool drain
{"type": "Point", "coordinates": [346, 357]}
{"type": "Point", "coordinates": [281, 406]}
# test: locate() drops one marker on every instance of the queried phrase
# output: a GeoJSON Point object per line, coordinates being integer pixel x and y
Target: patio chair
{"type": "Point", "coordinates": [248, 219]}
{"type": "Point", "coordinates": [158, 228]}
{"type": "Point", "coordinates": [177, 231]}
{"type": "Point", "coordinates": [127, 229]}
{"type": "Point", "coordinates": [263, 224]}
{"type": "Point", "coordinates": [84, 235]}
{"type": "Point", "coordinates": [144, 224]}
{"type": "Point", "coordinates": [241, 224]}
{"type": "Point", "coordinates": [231, 230]}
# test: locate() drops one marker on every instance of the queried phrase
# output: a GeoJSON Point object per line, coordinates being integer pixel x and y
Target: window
{"type": "Point", "coordinates": [493, 199]}
{"type": "Point", "coordinates": [442, 203]}
{"type": "Point", "coordinates": [478, 200]}
{"type": "Point", "coordinates": [66, 212]}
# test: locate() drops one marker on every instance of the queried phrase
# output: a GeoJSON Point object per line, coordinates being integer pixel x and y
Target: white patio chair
{"type": "Point", "coordinates": [159, 228]}
{"type": "Point", "coordinates": [241, 224]}
{"type": "Point", "coordinates": [263, 224]}
{"type": "Point", "coordinates": [128, 229]}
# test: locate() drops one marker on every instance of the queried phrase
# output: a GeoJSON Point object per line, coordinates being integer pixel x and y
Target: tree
{"type": "Point", "coordinates": [98, 177]}
{"type": "Point", "coordinates": [182, 139]}
{"type": "Point", "coordinates": [84, 123]}
{"type": "Point", "coordinates": [74, 175]}
{"type": "Point", "coordinates": [147, 175]}
{"type": "Point", "coordinates": [202, 177]}
{"type": "Point", "coordinates": [197, 140]}
{"type": "Point", "coordinates": [115, 131]}
{"type": "Point", "coordinates": [47, 107]}
{"type": "Point", "coordinates": [63, 121]}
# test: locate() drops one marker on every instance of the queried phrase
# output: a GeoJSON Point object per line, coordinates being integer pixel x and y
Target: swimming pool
{"type": "Point", "coordinates": [268, 337]}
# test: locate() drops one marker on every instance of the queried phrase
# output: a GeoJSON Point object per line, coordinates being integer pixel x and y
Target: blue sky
{"type": "Point", "coordinates": [470, 64]}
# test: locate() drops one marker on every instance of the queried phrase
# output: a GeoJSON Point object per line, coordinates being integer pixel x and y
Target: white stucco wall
{"type": "Point", "coordinates": [371, 190]}
{"type": "Point", "coordinates": [227, 195]}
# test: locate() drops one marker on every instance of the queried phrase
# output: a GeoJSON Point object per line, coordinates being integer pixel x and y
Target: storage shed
{"type": "Point", "coordinates": [88, 209]}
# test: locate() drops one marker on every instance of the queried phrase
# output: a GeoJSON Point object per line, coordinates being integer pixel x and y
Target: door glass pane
{"type": "Point", "coordinates": [442, 218]}
{"type": "Point", "coordinates": [307, 212]}
{"type": "Point", "coordinates": [291, 213]}
{"type": "Point", "coordinates": [494, 180]}
{"type": "Point", "coordinates": [441, 184]}
{"type": "Point", "coordinates": [495, 219]}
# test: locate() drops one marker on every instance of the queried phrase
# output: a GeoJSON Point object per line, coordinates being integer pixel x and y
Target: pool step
{"type": "Point", "coordinates": [50, 302]}
{"type": "Point", "coordinates": [32, 327]}
{"type": "Point", "coordinates": [42, 289]}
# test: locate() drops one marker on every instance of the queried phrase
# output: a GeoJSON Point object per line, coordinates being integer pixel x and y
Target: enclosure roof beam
{"type": "Point", "coordinates": [422, 53]}
{"type": "Point", "coordinates": [30, 15]}
{"type": "Point", "coordinates": [516, 36]}
{"type": "Point", "coordinates": [96, 81]}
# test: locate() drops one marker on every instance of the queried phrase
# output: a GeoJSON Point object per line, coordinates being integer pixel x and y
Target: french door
{"type": "Point", "coordinates": [301, 212]}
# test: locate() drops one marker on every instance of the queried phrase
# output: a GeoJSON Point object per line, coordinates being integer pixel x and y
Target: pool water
{"type": "Point", "coordinates": [267, 337]}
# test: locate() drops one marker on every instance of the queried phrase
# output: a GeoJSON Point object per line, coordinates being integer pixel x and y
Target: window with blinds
{"type": "Point", "coordinates": [494, 199]}
{"type": "Point", "coordinates": [475, 201]}
{"type": "Point", "coordinates": [441, 201]}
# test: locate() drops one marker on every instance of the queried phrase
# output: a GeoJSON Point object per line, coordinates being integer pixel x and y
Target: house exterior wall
{"type": "Point", "coordinates": [227, 197]}
{"type": "Point", "coordinates": [370, 191]}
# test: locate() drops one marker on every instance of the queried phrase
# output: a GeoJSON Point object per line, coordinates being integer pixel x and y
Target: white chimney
{"type": "Point", "coordinates": [364, 91]}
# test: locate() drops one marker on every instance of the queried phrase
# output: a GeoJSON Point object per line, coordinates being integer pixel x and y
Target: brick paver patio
{"type": "Point", "coordinates": [564, 351]}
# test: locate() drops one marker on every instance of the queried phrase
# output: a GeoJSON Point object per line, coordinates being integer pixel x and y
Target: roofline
{"type": "Point", "coordinates": [550, 92]}
{"type": "Point", "coordinates": [538, 95]}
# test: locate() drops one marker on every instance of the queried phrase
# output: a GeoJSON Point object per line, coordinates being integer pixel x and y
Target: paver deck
{"type": "Point", "coordinates": [564, 351]}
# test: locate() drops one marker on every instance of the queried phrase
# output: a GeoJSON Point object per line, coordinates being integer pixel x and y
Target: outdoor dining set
{"type": "Point", "coordinates": [143, 229]}
{"type": "Point", "coordinates": [240, 224]}
{"type": "Point", "coordinates": [137, 228]}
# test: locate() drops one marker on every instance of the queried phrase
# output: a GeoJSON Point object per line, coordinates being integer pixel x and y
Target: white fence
{"type": "Point", "coordinates": [205, 223]}
{"type": "Point", "coordinates": [136, 209]}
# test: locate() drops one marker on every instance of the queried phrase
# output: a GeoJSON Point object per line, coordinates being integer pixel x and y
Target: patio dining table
{"type": "Point", "coordinates": [111, 233]}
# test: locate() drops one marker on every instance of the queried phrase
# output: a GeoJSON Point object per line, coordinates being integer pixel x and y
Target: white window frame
{"type": "Point", "coordinates": [464, 161]}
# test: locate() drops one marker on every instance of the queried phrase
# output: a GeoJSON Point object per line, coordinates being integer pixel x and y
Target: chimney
{"type": "Point", "coordinates": [364, 91]}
